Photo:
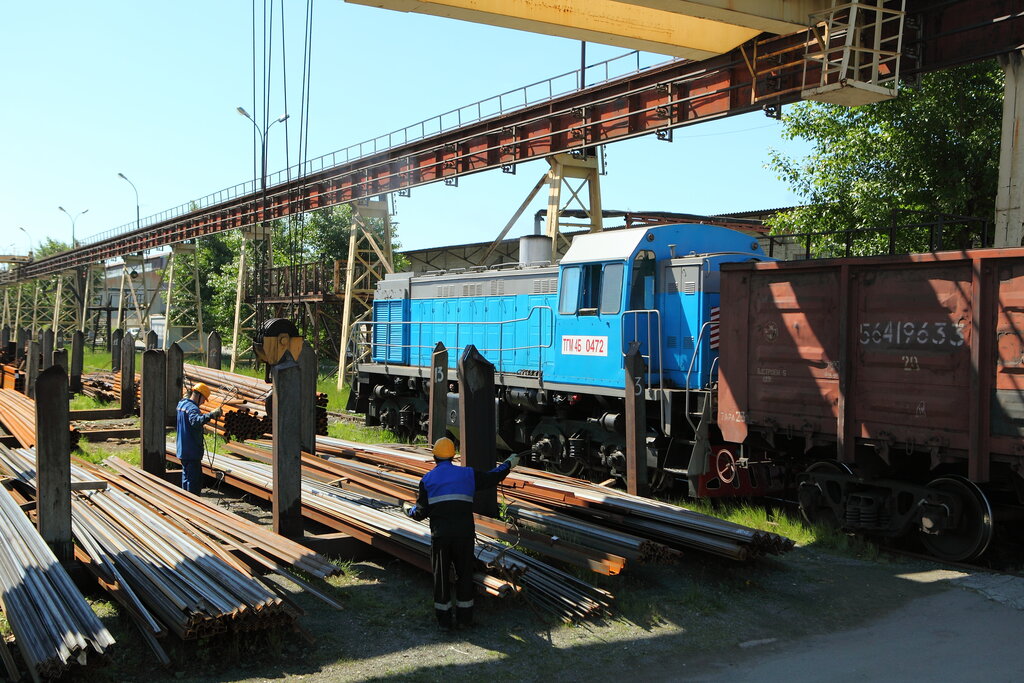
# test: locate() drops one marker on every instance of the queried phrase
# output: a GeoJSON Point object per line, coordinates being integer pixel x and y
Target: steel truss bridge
{"type": "Point", "coordinates": [762, 74]}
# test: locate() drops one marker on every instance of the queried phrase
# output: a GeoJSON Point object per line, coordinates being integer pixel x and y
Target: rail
{"type": "Point", "coordinates": [490, 107]}
{"type": "Point", "coordinates": [365, 336]}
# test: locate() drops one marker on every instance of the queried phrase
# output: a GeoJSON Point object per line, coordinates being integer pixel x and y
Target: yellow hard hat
{"type": "Point", "coordinates": [444, 449]}
{"type": "Point", "coordinates": [201, 388]}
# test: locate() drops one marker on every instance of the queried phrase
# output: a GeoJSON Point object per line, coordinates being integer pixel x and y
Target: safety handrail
{"type": "Point", "coordinates": [365, 329]}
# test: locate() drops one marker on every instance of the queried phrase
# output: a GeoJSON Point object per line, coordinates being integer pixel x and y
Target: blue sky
{"type": "Point", "coordinates": [150, 90]}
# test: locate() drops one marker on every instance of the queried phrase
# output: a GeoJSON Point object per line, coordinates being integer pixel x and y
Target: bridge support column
{"type": "Point", "coordinates": [566, 167]}
{"type": "Point", "coordinates": [1009, 219]}
{"type": "Point", "coordinates": [368, 262]}
{"type": "Point", "coordinates": [184, 305]}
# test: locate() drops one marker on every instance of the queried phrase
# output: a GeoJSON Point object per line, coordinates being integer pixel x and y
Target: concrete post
{"type": "Point", "coordinates": [77, 361]}
{"type": "Point", "coordinates": [213, 350]}
{"type": "Point", "coordinates": [307, 398]}
{"type": "Point", "coordinates": [32, 369]}
{"type": "Point", "coordinates": [175, 381]}
{"type": "Point", "coordinates": [437, 416]}
{"type": "Point", "coordinates": [287, 496]}
{"type": "Point", "coordinates": [128, 373]}
{"type": "Point", "coordinates": [153, 422]}
{"type": "Point", "coordinates": [636, 422]}
{"type": "Point", "coordinates": [53, 461]}
{"type": "Point", "coordinates": [477, 419]}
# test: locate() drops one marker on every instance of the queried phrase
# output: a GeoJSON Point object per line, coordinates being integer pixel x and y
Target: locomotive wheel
{"type": "Point", "coordinates": [821, 512]}
{"type": "Point", "coordinates": [973, 532]}
{"type": "Point", "coordinates": [569, 467]}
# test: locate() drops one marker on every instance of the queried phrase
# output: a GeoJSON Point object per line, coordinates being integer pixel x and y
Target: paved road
{"type": "Point", "coordinates": [974, 631]}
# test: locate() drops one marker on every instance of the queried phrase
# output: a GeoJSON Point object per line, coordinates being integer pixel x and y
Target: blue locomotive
{"type": "Point", "coordinates": [557, 336]}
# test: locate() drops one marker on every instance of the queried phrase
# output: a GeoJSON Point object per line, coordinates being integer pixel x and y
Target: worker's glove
{"type": "Point", "coordinates": [216, 412]}
{"type": "Point", "coordinates": [409, 509]}
{"type": "Point", "coordinates": [512, 460]}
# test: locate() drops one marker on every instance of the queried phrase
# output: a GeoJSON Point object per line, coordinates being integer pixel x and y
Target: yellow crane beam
{"type": "Point", "coordinates": [694, 30]}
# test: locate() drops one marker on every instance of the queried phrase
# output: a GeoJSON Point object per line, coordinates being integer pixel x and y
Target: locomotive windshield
{"type": "Point", "coordinates": [591, 288]}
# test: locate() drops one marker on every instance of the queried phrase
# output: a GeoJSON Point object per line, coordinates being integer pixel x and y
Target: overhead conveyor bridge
{"type": "Point", "coordinates": [763, 73]}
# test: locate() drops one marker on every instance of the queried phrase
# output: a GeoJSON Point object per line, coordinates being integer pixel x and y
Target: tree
{"type": "Point", "coordinates": [49, 247]}
{"type": "Point", "coordinates": [931, 152]}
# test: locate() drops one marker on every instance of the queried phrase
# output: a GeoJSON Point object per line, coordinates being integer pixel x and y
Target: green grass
{"type": "Point", "coordinates": [775, 520]}
{"type": "Point", "coordinates": [83, 402]}
{"type": "Point", "coordinates": [96, 454]}
{"type": "Point", "coordinates": [360, 433]}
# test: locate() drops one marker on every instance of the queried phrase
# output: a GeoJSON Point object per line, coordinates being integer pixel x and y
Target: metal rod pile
{"type": "Point", "coordinates": [101, 385]}
{"type": "Point", "coordinates": [608, 509]}
{"type": "Point", "coordinates": [384, 526]}
{"type": "Point", "coordinates": [246, 395]}
{"type": "Point", "coordinates": [18, 415]}
{"type": "Point", "coordinates": [52, 623]}
{"type": "Point", "coordinates": [174, 562]}
{"type": "Point", "coordinates": [12, 377]}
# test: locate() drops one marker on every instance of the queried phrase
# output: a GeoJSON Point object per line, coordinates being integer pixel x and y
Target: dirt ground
{"type": "Point", "coordinates": [700, 619]}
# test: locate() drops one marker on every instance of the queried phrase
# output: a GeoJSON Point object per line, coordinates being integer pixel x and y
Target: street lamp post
{"type": "Point", "coordinates": [74, 243]}
{"type": "Point", "coordinates": [31, 243]}
{"type": "Point", "coordinates": [263, 142]}
{"type": "Point", "coordinates": [125, 178]}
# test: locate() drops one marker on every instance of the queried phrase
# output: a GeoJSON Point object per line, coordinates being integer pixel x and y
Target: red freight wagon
{"type": "Point", "coordinates": [899, 379]}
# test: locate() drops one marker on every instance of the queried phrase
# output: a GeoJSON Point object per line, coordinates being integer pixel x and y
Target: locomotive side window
{"type": "Point", "coordinates": [611, 294]}
{"type": "Point", "coordinates": [641, 288]}
{"type": "Point", "coordinates": [570, 295]}
{"type": "Point", "coordinates": [591, 289]}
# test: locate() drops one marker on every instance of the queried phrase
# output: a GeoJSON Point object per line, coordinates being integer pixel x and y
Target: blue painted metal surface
{"type": "Point", "coordinates": [656, 285]}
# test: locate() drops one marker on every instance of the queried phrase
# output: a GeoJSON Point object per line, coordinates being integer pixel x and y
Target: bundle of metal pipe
{"type": "Point", "coordinates": [248, 393]}
{"type": "Point", "coordinates": [170, 559]}
{"type": "Point", "coordinates": [386, 527]}
{"type": "Point", "coordinates": [53, 625]}
{"type": "Point", "coordinates": [101, 385]}
{"type": "Point", "coordinates": [18, 415]}
{"type": "Point", "coordinates": [670, 525]}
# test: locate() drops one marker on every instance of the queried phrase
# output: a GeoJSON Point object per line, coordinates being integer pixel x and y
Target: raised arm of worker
{"type": "Point", "coordinates": [196, 417]}
{"type": "Point", "coordinates": [488, 480]}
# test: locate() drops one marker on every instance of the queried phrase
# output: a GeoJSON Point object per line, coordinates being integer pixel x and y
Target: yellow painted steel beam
{"type": "Point", "coordinates": [772, 16]}
{"type": "Point", "coordinates": [600, 21]}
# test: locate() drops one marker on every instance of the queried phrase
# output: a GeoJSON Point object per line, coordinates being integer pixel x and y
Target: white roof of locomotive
{"type": "Point", "coordinates": [611, 245]}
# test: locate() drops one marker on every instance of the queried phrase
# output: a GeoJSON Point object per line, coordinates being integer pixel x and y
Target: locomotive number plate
{"type": "Point", "coordinates": [575, 345]}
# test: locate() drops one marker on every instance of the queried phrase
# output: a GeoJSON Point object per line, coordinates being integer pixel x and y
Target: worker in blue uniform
{"type": "Point", "coordinates": [190, 436]}
{"type": "Point", "coordinates": [446, 497]}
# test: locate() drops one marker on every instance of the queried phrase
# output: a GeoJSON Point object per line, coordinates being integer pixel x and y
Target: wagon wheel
{"type": "Point", "coordinates": [816, 511]}
{"type": "Point", "coordinates": [973, 532]}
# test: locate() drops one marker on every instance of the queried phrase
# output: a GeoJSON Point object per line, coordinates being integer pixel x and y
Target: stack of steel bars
{"type": "Point", "coordinates": [101, 385]}
{"type": "Point", "coordinates": [658, 522]}
{"type": "Point", "coordinates": [12, 377]}
{"type": "Point", "coordinates": [172, 561]}
{"type": "Point", "coordinates": [18, 415]}
{"type": "Point", "coordinates": [385, 526]}
{"type": "Point", "coordinates": [239, 392]}
{"type": "Point", "coordinates": [53, 625]}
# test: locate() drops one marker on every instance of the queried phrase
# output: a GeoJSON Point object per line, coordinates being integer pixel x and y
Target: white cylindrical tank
{"type": "Point", "coordinates": [534, 250]}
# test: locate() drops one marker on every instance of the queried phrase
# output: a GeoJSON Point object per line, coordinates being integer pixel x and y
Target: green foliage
{"type": "Point", "coordinates": [49, 247]}
{"type": "Point", "coordinates": [931, 152]}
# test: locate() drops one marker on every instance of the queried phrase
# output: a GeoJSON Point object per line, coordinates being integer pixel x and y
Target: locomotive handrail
{"type": "Point", "coordinates": [689, 371]}
{"type": "Point", "coordinates": [649, 356]}
{"type": "Point", "coordinates": [367, 326]}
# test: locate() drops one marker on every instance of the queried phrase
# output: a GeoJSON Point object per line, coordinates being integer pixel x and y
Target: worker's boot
{"type": "Point", "coordinates": [464, 616]}
{"type": "Point", "coordinates": [445, 619]}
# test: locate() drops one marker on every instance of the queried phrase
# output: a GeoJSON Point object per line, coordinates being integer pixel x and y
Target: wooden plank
{"type": "Point", "coordinates": [438, 407]}
{"type": "Point", "coordinates": [174, 384]}
{"type": "Point", "coordinates": [77, 361]}
{"type": "Point", "coordinates": [53, 461]}
{"type": "Point", "coordinates": [213, 350]}
{"type": "Point", "coordinates": [117, 338]}
{"type": "Point", "coordinates": [307, 398]}
{"type": "Point", "coordinates": [477, 420]}
{"type": "Point", "coordinates": [152, 421]}
{"type": "Point", "coordinates": [636, 422]}
{"type": "Point", "coordinates": [32, 368]}
{"type": "Point", "coordinates": [97, 414]}
{"type": "Point", "coordinates": [128, 373]}
{"type": "Point", "coordinates": [287, 495]}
